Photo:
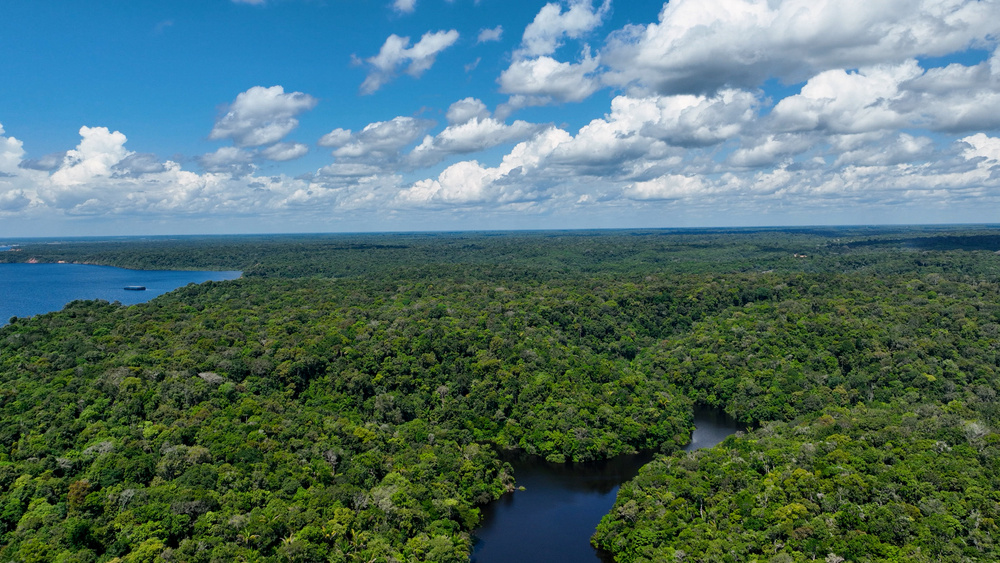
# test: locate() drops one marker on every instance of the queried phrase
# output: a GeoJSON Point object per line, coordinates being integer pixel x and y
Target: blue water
{"type": "Point", "coordinates": [31, 289]}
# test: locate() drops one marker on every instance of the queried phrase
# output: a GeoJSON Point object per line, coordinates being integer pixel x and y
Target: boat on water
{"type": "Point", "coordinates": [135, 287]}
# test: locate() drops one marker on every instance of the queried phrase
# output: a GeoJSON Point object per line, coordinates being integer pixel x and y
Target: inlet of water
{"type": "Point", "coordinates": [554, 517]}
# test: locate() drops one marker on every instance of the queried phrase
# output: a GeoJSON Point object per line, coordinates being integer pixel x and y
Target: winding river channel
{"type": "Point", "coordinates": [554, 517]}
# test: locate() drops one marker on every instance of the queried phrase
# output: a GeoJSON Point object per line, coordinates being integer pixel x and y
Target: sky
{"type": "Point", "coordinates": [267, 116]}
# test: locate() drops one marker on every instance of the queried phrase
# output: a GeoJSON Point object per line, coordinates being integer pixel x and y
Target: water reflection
{"type": "Point", "coordinates": [554, 517]}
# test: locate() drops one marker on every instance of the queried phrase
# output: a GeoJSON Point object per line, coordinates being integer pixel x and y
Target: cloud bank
{"type": "Point", "coordinates": [819, 111]}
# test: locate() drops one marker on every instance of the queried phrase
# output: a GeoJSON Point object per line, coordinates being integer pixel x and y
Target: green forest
{"type": "Point", "coordinates": [351, 397]}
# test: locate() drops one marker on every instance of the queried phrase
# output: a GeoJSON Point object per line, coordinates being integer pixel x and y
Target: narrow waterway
{"type": "Point", "coordinates": [553, 518]}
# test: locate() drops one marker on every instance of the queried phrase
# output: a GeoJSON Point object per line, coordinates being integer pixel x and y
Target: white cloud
{"type": "Point", "coordinates": [336, 138]}
{"type": "Point", "coordinates": [703, 45]}
{"type": "Point", "coordinates": [466, 109]}
{"type": "Point", "coordinates": [378, 141]}
{"type": "Point", "coordinates": [351, 170]}
{"type": "Point", "coordinates": [261, 116]}
{"type": "Point", "coordinates": [285, 151]}
{"type": "Point", "coordinates": [903, 149]}
{"type": "Point", "coordinates": [982, 146]}
{"type": "Point", "coordinates": [693, 127]}
{"type": "Point", "coordinates": [545, 33]}
{"type": "Point", "coordinates": [770, 150]}
{"type": "Point", "coordinates": [671, 186]}
{"type": "Point", "coordinates": [687, 120]}
{"type": "Point", "coordinates": [395, 52]}
{"type": "Point", "coordinates": [469, 182]}
{"type": "Point", "coordinates": [956, 98]}
{"type": "Point", "coordinates": [98, 152]}
{"type": "Point", "coordinates": [231, 160]}
{"type": "Point", "coordinates": [843, 102]}
{"type": "Point", "coordinates": [13, 201]}
{"type": "Point", "coordinates": [487, 35]}
{"type": "Point", "coordinates": [472, 135]}
{"type": "Point", "coordinates": [603, 147]}
{"type": "Point", "coordinates": [405, 6]}
{"type": "Point", "coordinates": [638, 136]}
{"type": "Point", "coordinates": [541, 80]}
{"type": "Point", "coordinates": [534, 77]}
{"type": "Point", "coordinates": [101, 178]}
{"type": "Point", "coordinates": [11, 153]}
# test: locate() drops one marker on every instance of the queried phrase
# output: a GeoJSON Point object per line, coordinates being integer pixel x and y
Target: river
{"type": "Point", "coordinates": [32, 289]}
{"type": "Point", "coordinates": [554, 517]}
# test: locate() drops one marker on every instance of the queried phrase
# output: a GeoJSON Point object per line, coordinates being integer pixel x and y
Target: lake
{"type": "Point", "coordinates": [554, 517]}
{"type": "Point", "coordinates": [32, 289]}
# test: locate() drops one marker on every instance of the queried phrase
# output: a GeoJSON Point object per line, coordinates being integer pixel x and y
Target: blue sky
{"type": "Point", "coordinates": [224, 116]}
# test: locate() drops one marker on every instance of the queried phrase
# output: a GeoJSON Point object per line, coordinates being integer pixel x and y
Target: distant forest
{"type": "Point", "coordinates": [352, 396]}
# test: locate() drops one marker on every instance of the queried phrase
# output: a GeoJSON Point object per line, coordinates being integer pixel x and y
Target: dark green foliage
{"type": "Point", "coordinates": [251, 417]}
{"type": "Point", "coordinates": [348, 399]}
{"type": "Point", "coordinates": [895, 482]}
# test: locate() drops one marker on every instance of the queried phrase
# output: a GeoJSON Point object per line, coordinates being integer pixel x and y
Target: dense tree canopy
{"type": "Point", "coordinates": [350, 397]}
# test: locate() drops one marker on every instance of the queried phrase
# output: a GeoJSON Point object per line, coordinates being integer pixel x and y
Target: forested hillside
{"type": "Point", "coordinates": [349, 399]}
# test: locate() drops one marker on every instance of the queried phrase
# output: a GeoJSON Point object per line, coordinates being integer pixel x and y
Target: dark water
{"type": "Point", "coordinates": [32, 289]}
{"type": "Point", "coordinates": [553, 518]}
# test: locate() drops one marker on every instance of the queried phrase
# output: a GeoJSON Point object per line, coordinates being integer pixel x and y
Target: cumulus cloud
{"type": "Point", "coordinates": [605, 146]}
{"type": "Point", "coordinates": [396, 52]}
{"type": "Point", "coordinates": [98, 152]}
{"type": "Point", "coordinates": [903, 149]}
{"type": "Point", "coordinates": [690, 121]}
{"type": "Point", "coordinates": [470, 129]}
{"type": "Point", "coordinates": [546, 32]}
{"type": "Point", "coordinates": [470, 182]}
{"type": "Point", "coordinates": [487, 35]}
{"type": "Point", "coordinates": [847, 102]}
{"type": "Point", "coordinates": [13, 201]}
{"type": "Point", "coordinates": [284, 151]}
{"type": "Point", "coordinates": [101, 178]}
{"type": "Point", "coordinates": [379, 141]}
{"type": "Point", "coordinates": [11, 153]}
{"type": "Point", "coordinates": [261, 116]}
{"type": "Point", "coordinates": [701, 46]}
{"type": "Point", "coordinates": [692, 126]}
{"type": "Point", "coordinates": [982, 146]}
{"type": "Point", "coordinates": [541, 80]}
{"type": "Point", "coordinates": [671, 186]}
{"type": "Point", "coordinates": [336, 138]}
{"type": "Point", "coordinates": [956, 98]}
{"type": "Point", "coordinates": [232, 160]}
{"type": "Point", "coordinates": [534, 77]}
{"type": "Point", "coordinates": [771, 150]}
{"type": "Point", "coordinates": [465, 110]}
{"type": "Point", "coordinates": [638, 137]}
